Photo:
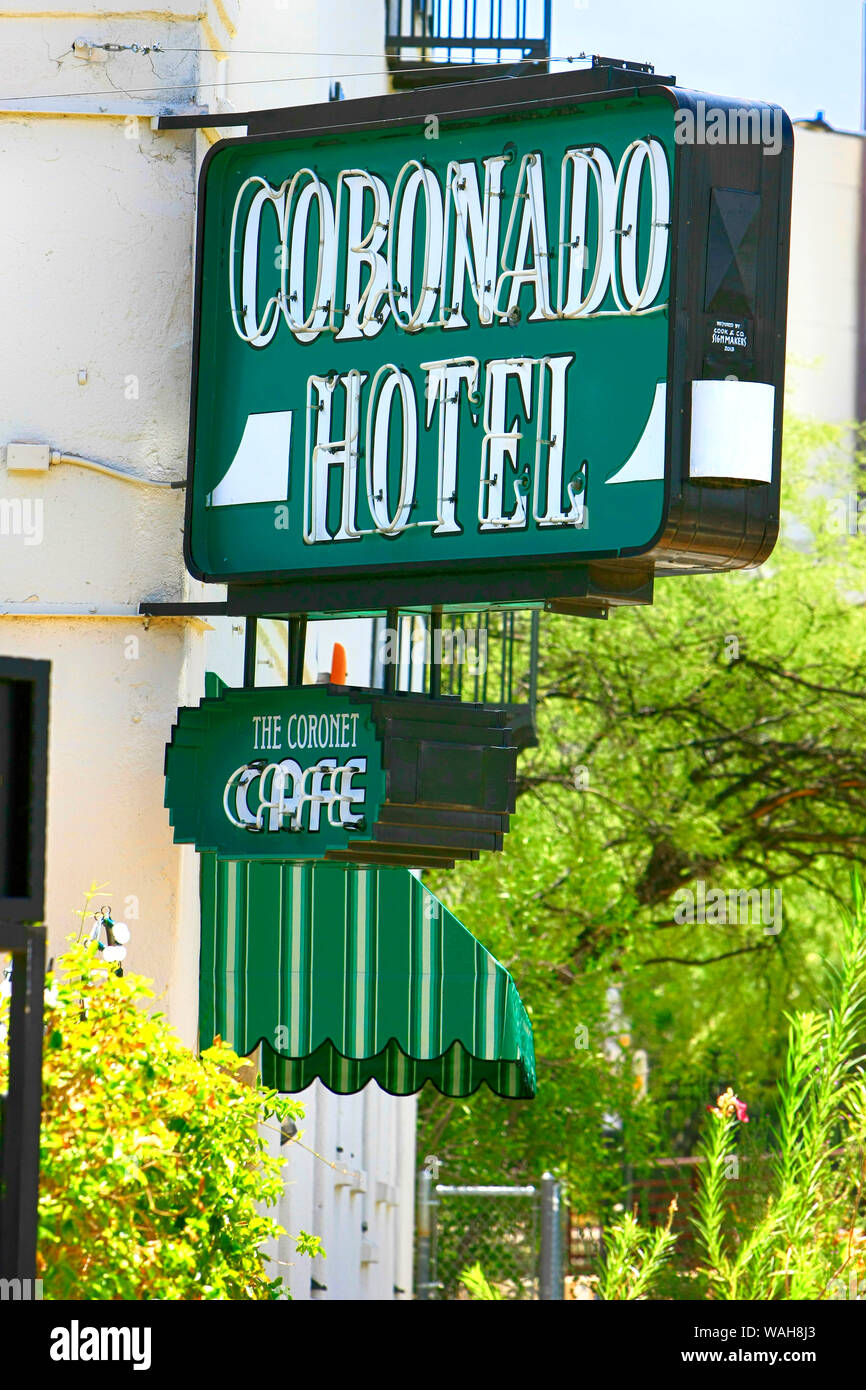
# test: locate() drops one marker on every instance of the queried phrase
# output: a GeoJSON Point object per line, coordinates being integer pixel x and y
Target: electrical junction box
{"type": "Point", "coordinates": [27, 458]}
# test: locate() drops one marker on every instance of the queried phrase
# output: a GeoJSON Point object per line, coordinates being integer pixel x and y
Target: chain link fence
{"type": "Point", "coordinates": [499, 1233]}
{"type": "Point", "coordinates": [512, 1234]}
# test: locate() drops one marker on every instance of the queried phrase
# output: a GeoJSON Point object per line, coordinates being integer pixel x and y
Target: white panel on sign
{"type": "Point", "coordinates": [732, 431]}
{"type": "Point", "coordinates": [259, 471]}
{"type": "Point", "coordinates": [648, 459]}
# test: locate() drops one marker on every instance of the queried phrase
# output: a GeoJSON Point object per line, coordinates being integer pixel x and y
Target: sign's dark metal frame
{"type": "Point", "coordinates": [451, 780]}
{"type": "Point", "coordinates": [706, 526]}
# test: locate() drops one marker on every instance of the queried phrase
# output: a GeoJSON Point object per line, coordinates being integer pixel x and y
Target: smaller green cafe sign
{"type": "Point", "coordinates": [274, 773]}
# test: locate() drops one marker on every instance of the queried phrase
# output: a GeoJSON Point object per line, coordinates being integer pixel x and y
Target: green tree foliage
{"type": "Point", "coordinates": [716, 736]}
{"type": "Point", "coordinates": [153, 1173]}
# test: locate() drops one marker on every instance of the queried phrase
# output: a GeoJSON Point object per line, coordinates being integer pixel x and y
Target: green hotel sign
{"type": "Point", "coordinates": [451, 351]}
{"type": "Point", "coordinates": [274, 773]}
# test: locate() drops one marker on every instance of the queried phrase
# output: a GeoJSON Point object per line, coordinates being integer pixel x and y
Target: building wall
{"type": "Point", "coordinates": [824, 354]}
{"type": "Point", "coordinates": [342, 40]}
{"type": "Point", "coordinates": [352, 1182]}
{"type": "Point", "coordinates": [97, 293]}
{"type": "Point", "coordinates": [97, 242]}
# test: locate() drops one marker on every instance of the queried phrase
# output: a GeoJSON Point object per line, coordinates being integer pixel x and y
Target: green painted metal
{"type": "Point", "coordinates": [299, 768]}
{"type": "Point", "coordinates": [351, 975]}
{"type": "Point", "coordinates": [616, 354]}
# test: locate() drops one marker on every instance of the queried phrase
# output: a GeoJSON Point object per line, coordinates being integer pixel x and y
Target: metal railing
{"type": "Point", "coordinates": [486, 657]}
{"type": "Point", "coordinates": [468, 31]}
{"type": "Point", "coordinates": [509, 644]}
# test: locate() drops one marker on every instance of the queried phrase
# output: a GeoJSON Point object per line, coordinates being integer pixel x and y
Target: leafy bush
{"type": "Point", "coordinates": [477, 1285]}
{"type": "Point", "coordinates": [153, 1172]}
{"type": "Point", "coordinates": [809, 1234]}
{"type": "Point", "coordinates": [634, 1257]}
{"type": "Point", "coordinates": [808, 1242]}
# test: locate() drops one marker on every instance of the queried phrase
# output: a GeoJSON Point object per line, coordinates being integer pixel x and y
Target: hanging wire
{"type": "Point", "coordinates": [333, 53]}
{"type": "Point", "coordinates": [305, 77]}
{"type": "Point", "coordinates": [346, 1172]}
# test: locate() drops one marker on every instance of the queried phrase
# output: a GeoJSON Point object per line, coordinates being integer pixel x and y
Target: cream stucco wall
{"type": "Point", "coordinates": [353, 1181]}
{"type": "Point", "coordinates": [823, 290]}
{"type": "Point", "coordinates": [97, 300]}
{"type": "Point", "coordinates": [312, 44]}
{"type": "Point", "coordinates": [115, 686]}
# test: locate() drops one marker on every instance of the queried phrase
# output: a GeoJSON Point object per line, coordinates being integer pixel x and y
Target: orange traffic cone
{"type": "Point", "coordinates": [338, 664]}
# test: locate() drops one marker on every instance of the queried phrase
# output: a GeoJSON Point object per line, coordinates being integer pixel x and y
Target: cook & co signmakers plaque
{"type": "Point", "coordinates": [438, 355]}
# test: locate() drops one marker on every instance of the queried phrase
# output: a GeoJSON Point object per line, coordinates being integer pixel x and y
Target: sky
{"type": "Point", "coordinates": [805, 55]}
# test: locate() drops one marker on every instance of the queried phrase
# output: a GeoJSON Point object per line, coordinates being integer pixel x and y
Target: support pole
{"type": "Point", "coordinates": [297, 646]}
{"type": "Point", "coordinates": [550, 1285]}
{"type": "Point", "coordinates": [435, 652]}
{"type": "Point", "coordinates": [533, 663]}
{"type": "Point", "coordinates": [423, 1285]}
{"type": "Point", "coordinates": [392, 668]}
{"type": "Point", "coordinates": [250, 633]}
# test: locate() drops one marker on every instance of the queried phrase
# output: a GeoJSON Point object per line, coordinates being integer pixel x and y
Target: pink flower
{"type": "Point", "coordinates": [727, 1105]}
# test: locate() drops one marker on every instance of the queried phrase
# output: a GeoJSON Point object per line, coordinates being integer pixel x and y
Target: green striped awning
{"type": "Point", "coordinates": [352, 975]}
